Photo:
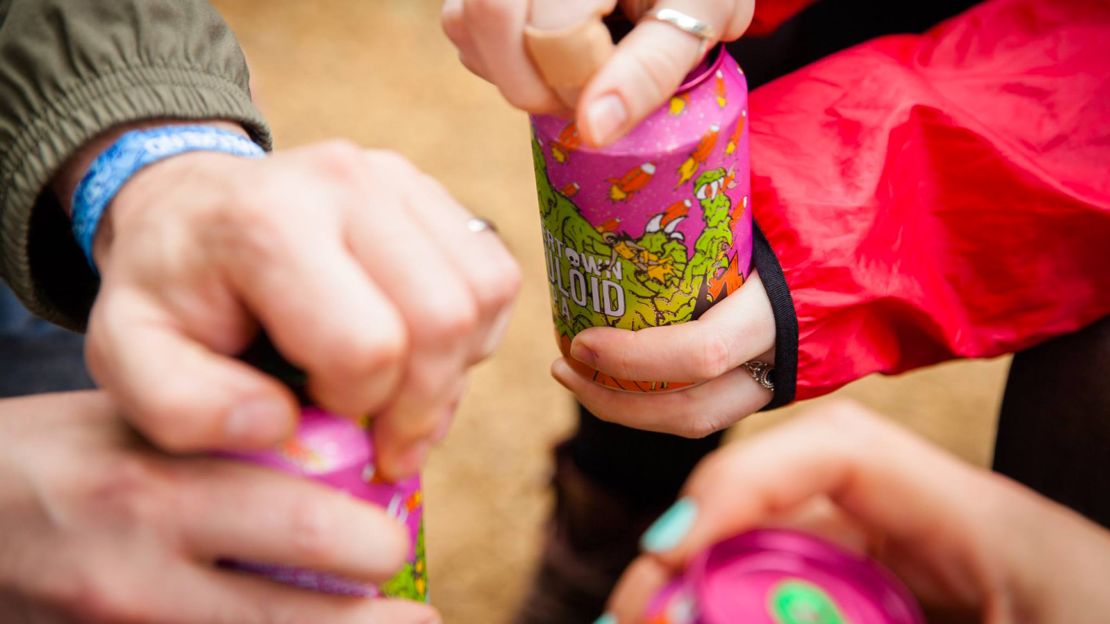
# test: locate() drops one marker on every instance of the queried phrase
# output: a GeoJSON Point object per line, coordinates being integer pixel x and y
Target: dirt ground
{"type": "Point", "coordinates": [381, 73]}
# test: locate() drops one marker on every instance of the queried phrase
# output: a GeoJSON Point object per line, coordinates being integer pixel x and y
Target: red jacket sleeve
{"type": "Point", "coordinates": [944, 195]}
{"type": "Point", "coordinates": [770, 14]}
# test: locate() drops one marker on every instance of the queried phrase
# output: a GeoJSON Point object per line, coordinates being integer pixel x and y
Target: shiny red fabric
{"type": "Point", "coordinates": [770, 14]}
{"type": "Point", "coordinates": [943, 195]}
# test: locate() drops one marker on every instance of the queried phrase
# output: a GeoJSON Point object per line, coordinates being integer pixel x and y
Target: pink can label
{"type": "Point", "coordinates": [338, 453]}
{"type": "Point", "coordinates": [656, 228]}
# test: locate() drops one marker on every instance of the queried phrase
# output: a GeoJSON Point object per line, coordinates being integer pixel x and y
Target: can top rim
{"type": "Point", "coordinates": [704, 69]}
{"type": "Point", "coordinates": [798, 551]}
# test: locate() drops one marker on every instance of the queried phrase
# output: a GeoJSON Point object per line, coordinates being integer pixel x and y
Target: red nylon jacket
{"type": "Point", "coordinates": [940, 195]}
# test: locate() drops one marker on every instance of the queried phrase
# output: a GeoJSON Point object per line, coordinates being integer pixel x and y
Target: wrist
{"type": "Point", "coordinates": [67, 178]}
{"type": "Point", "coordinates": [149, 189]}
{"type": "Point", "coordinates": [131, 153]}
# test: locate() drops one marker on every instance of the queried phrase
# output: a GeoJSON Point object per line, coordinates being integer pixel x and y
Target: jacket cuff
{"type": "Point", "coordinates": [785, 375]}
{"type": "Point", "coordinates": [42, 262]}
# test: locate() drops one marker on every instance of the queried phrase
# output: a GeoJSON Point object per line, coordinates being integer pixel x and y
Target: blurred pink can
{"type": "Point", "coordinates": [655, 228]}
{"type": "Point", "coordinates": [338, 453]}
{"type": "Point", "coordinates": [775, 576]}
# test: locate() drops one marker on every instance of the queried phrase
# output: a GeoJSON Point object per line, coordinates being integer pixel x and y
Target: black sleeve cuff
{"type": "Point", "coordinates": [785, 375]}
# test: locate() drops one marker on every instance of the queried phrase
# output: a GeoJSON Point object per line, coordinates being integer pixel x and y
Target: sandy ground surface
{"type": "Point", "coordinates": [380, 72]}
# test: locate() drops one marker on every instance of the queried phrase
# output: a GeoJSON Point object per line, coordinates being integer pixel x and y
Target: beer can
{"type": "Point", "coordinates": [339, 453]}
{"type": "Point", "coordinates": [773, 576]}
{"type": "Point", "coordinates": [655, 228]}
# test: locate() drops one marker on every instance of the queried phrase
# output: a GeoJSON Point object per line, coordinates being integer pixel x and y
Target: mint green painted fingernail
{"type": "Point", "coordinates": [671, 527]}
{"type": "Point", "coordinates": [606, 618]}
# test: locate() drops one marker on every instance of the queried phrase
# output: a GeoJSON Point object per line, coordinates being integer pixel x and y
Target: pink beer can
{"type": "Point", "coordinates": [338, 453]}
{"type": "Point", "coordinates": [773, 576]}
{"type": "Point", "coordinates": [655, 228]}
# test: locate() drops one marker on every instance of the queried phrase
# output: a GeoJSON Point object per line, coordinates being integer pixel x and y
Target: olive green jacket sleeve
{"type": "Point", "coordinates": [71, 69]}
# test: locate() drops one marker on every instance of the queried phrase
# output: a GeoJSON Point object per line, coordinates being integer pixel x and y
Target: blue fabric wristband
{"type": "Point", "coordinates": [129, 154]}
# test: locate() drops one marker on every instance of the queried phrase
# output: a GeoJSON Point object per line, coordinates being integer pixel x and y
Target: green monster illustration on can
{"type": "Point", "coordinates": [656, 228]}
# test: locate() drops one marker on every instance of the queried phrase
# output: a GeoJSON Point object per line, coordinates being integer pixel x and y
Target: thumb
{"type": "Point", "coordinates": [649, 65]}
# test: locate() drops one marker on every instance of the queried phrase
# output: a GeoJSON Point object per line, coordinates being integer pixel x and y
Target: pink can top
{"type": "Point", "coordinates": [775, 576]}
{"type": "Point", "coordinates": [335, 451]}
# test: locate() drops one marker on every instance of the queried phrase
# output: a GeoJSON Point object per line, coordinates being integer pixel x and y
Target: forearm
{"type": "Point", "coordinates": [86, 67]}
{"type": "Point", "coordinates": [940, 196]}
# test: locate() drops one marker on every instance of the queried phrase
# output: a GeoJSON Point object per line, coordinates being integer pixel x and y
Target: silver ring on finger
{"type": "Point", "coordinates": [687, 24]}
{"type": "Point", "coordinates": [478, 225]}
{"type": "Point", "coordinates": [761, 373]}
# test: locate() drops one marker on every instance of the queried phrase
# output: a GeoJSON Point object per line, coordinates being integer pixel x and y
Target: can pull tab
{"type": "Point", "coordinates": [566, 54]}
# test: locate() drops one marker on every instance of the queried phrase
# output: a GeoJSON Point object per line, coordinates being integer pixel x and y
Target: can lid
{"type": "Point", "coordinates": [706, 68]}
{"type": "Point", "coordinates": [323, 444]}
{"type": "Point", "coordinates": [788, 577]}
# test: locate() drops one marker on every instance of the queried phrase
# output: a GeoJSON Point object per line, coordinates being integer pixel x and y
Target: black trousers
{"type": "Point", "coordinates": [1054, 428]}
{"type": "Point", "coordinates": [36, 356]}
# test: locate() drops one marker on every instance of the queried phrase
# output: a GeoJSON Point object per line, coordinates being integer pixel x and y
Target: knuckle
{"type": "Point", "coordinates": [339, 153]}
{"type": "Point", "coordinates": [168, 423]}
{"type": "Point", "coordinates": [95, 597]}
{"type": "Point", "coordinates": [844, 414]}
{"type": "Point", "coordinates": [340, 158]}
{"type": "Point", "coordinates": [508, 284]}
{"type": "Point", "coordinates": [451, 322]}
{"type": "Point", "coordinates": [534, 100]}
{"type": "Point", "coordinates": [128, 489]}
{"type": "Point", "coordinates": [391, 162]}
{"type": "Point", "coordinates": [451, 20]}
{"type": "Point", "coordinates": [498, 288]}
{"type": "Point", "coordinates": [366, 351]}
{"type": "Point", "coordinates": [694, 422]}
{"type": "Point", "coordinates": [853, 431]}
{"type": "Point", "coordinates": [742, 14]}
{"type": "Point", "coordinates": [497, 11]}
{"type": "Point", "coordinates": [712, 357]}
{"type": "Point", "coordinates": [696, 428]}
{"type": "Point", "coordinates": [657, 70]}
{"type": "Point", "coordinates": [311, 531]}
{"type": "Point", "coordinates": [621, 362]}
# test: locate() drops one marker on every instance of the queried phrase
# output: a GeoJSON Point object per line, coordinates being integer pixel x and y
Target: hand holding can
{"type": "Point", "coordinates": [971, 545]}
{"type": "Point", "coordinates": [783, 577]}
{"type": "Point", "coordinates": [339, 453]}
{"type": "Point", "coordinates": [656, 228]}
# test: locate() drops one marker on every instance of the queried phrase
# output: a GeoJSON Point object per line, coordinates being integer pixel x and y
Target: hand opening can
{"type": "Point", "coordinates": [338, 453]}
{"type": "Point", "coordinates": [775, 576]}
{"type": "Point", "coordinates": [655, 228]}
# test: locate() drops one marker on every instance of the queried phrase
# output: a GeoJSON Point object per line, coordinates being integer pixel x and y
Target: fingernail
{"type": "Point", "coordinates": [257, 420]}
{"type": "Point", "coordinates": [559, 370]}
{"type": "Point", "coordinates": [606, 618]}
{"type": "Point", "coordinates": [671, 527]}
{"type": "Point", "coordinates": [583, 354]}
{"type": "Point", "coordinates": [605, 116]}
